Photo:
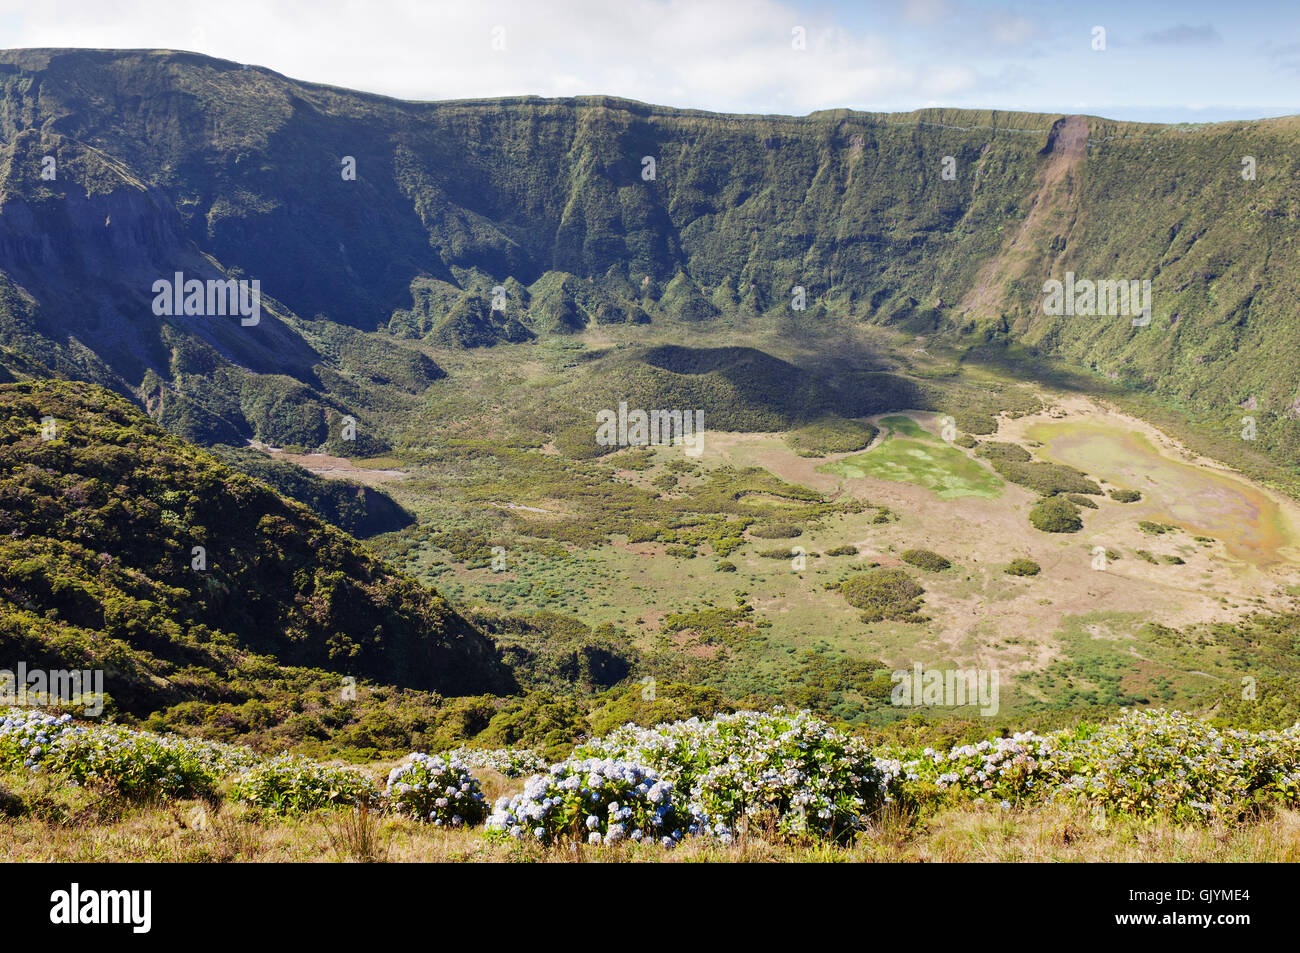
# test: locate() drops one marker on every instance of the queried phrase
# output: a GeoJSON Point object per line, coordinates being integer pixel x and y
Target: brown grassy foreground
{"type": "Point", "coordinates": [64, 825]}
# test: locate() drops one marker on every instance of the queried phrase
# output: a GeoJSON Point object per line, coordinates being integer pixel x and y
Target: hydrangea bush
{"type": "Point", "coordinates": [138, 765]}
{"type": "Point", "coordinates": [781, 772]}
{"type": "Point", "coordinates": [1156, 761]}
{"type": "Point", "coordinates": [292, 784]}
{"type": "Point", "coordinates": [598, 800]}
{"type": "Point", "coordinates": [789, 772]}
{"type": "Point", "coordinates": [508, 761]}
{"type": "Point", "coordinates": [431, 789]}
{"type": "Point", "coordinates": [1005, 769]}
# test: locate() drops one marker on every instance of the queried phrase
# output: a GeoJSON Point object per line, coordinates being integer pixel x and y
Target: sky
{"type": "Point", "coordinates": [1146, 60]}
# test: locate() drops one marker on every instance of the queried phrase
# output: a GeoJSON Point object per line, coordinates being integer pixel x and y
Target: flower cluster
{"type": "Point", "coordinates": [431, 789]}
{"type": "Point", "coordinates": [786, 772]}
{"type": "Point", "coordinates": [1004, 769]}
{"type": "Point", "coordinates": [290, 784]}
{"type": "Point", "coordinates": [135, 764]}
{"type": "Point", "coordinates": [781, 773]}
{"type": "Point", "coordinates": [601, 801]}
{"type": "Point", "coordinates": [508, 761]}
{"type": "Point", "coordinates": [1156, 761]}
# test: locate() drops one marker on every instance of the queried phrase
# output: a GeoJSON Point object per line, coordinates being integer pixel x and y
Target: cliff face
{"type": "Point", "coordinates": [598, 210]}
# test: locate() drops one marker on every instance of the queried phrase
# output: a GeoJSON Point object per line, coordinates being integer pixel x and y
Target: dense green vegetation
{"type": "Point", "coordinates": [832, 435]}
{"type": "Point", "coordinates": [884, 594]}
{"type": "Point", "coordinates": [1056, 514]}
{"type": "Point", "coordinates": [925, 559]}
{"type": "Point", "coordinates": [123, 547]}
{"type": "Point", "coordinates": [776, 531]}
{"type": "Point", "coordinates": [1014, 463]}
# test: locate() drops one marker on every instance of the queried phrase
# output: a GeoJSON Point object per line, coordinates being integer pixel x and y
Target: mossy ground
{"type": "Point", "coordinates": [910, 454]}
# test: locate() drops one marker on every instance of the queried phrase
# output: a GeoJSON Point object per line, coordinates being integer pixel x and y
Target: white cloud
{"type": "Point", "coordinates": [928, 12]}
{"type": "Point", "coordinates": [1008, 29]}
{"type": "Point", "coordinates": [729, 55]}
{"type": "Point", "coordinates": [720, 54]}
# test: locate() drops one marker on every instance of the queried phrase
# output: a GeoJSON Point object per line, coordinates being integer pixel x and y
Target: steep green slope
{"type": "Point", "coordinates": [471, 224]}
{"type": "Point", "coordinates": [124, 548]}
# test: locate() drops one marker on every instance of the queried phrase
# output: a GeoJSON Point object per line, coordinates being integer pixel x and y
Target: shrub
{"type": "Point", "coordinates": [1155, 529]}
{"type": "Point", "coordinates": [1078, 499]}
{"type": "Point", "coordinates": [725, 565]}
{"type": "Point", "coordinates": [925, 559]}
{"type": "Point", "coordinates": [1023, 567]}
{"type": "Point", "coordinates": [599, 800]}
{"type": "Point", "coordinates": [512, 762]}
{"type": "Point", "coordinates": [137, 765]}
{"type": "Point", "coordinates": [437, 790]}
{"type": "Point", "coordinates": [1125, 496]}
{"type": "Point", "coordinates": [1162, 762]}
{"type": "Point", "coordinates": [1056, 514]}
{"type": "Point", "coordinates": [788, 772]}
{"type": "Point", "coordinates": [975, 422]}
{"type": "Point", "coordinates": [992, 450]}
{"type": "Point", "coordinates": [642, 533]}
{"type": "Point", "coordinates": [831, 435]}
{"type": "Point", "coordinates": [776, 531]}
{"type": "Point", "coordinates": [292, 784]}
{"type": "Point", "coordinates": [884, 593]}
{"type": "Point", "coordinates": [842, 551]}
{"type": "Point", "coordinates": [1014, 463]}
{"type": "Point", "coordinates": [1004, 769]}
{"type": "Point", "coordinates": [965, 441]}
{"type": "Point", "coordinates": [726, 545]}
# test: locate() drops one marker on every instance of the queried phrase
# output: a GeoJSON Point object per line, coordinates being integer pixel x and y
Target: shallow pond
{"type": "Point", "coordinates": [1204, 502]}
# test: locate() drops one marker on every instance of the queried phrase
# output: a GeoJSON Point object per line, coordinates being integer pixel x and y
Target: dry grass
{"type": "Point", "coordinates": [199, 832]}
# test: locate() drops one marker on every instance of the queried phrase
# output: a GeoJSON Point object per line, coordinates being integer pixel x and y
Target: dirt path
{"type": "Point", "coordinates": [337, 468]}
